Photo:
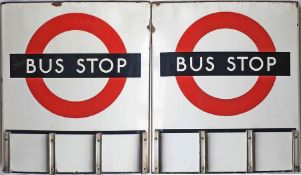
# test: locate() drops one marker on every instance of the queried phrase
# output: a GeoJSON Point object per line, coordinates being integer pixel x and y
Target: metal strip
{"type": "Point", "coordinates": [203, 152]}
{"type": "Point", "coordinates": [226, 130]}
{"type": "Point", "coordinates": [6, 167]}
{"type": "Point", "coordinates": [121, 132]}
{"type": "Point", "coordinates": [97, 153]}
{"type": "Point", "coordinates": [157, 156]}
{"type": "Point", "coordinates": [51, 153]}
{"type": "Point", "coordinates": [250, 151]}
{"type": "Point", "coordinates": [144, 153]}
{"type": "Point", "coordinates": [296, 166]}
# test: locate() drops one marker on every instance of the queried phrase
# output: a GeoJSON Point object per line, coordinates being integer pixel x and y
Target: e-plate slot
{"type": "Point", "coordinates": [97, 154]}
{"type": "Point", "coordinates": [51, 153]}
{"type": "Point", "coordinates": [157, 156]}
{"type": "Point", "coordinates": [250, 151]}
{"type": "Point", "coordinates": [6, 167]}
{"type": "Point", "coordinates": [144, 153]}
{"type": "Point", "coordinates": [296, 167]}
{"type": "Point", "coordinates": [203, 152]}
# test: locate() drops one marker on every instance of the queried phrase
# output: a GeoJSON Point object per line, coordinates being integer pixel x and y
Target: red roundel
{"type": "Point", "coordinates": [206, 102]}
{"type": "Point", "coordinates": [70, 22]}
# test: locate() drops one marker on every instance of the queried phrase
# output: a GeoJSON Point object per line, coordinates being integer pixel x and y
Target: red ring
{"type": "Point", "coordinates": [245, 102]}
{"type": "Point", "coordinates": [64, 23]}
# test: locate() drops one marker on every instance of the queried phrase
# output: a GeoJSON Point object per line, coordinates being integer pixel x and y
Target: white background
{"type": "Point", "coordinates": [128, 112]}
{"type": "Point", "coordinates": [172, 110]}
{"type": "Point", "coordinates": [280, 109]}
{"type": "Point", "coordinates": [92, 39]}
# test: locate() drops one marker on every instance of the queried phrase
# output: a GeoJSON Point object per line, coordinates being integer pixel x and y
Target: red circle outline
{"type": "Point", "coordinates": [69, 22]}
{"type": "Point", "coordinates": [206, 102]}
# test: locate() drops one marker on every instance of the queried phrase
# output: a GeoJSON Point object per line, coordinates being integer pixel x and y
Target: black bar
{"type": "Point", "coordinates": [225, 64]}
{"type": "Point", "coordinates": [77, 65]}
